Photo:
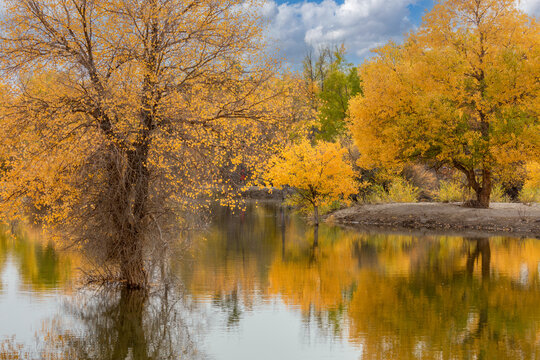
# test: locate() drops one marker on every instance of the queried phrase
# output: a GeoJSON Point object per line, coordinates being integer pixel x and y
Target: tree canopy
{"type": "Point", "coordinates": [329, 83]}
{"type": "Point", "coordinates": [318, 173]}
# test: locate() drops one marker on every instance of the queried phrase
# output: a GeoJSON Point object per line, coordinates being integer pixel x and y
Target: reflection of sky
{"type": "Point", "coordinates": [22, 312]}
{"type": "Point", "coordinates": [245, 308]}
{"type": "Point", "coordinates": [273, 331]}
{"type": "Point", "coordinates": [270, 330]}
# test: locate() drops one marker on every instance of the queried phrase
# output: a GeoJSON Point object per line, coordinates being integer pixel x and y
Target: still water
{"type": "Point", "coordinates": [260, 284]}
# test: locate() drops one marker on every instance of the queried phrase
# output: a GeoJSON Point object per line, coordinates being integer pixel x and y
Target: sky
{"type": "Point", "coordinates": [295, 26]}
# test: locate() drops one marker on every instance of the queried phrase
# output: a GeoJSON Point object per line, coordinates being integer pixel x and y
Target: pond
{"type": "Point", "coordinates": [261, 284]}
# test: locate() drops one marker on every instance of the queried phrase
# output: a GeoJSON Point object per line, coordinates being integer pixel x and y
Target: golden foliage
{"type": "Point", "coordinates": [462, 90]}
{"type": "Point", "coordinates": [319, 173]}
{"type": "Point", "coordinates": [120, 114]}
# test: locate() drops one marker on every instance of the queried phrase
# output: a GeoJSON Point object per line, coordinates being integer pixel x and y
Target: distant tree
{"type": "Point", "coordinates": [329, 83]}
{"type": "Point", "coordinates": [463, 91]}
{"type": "Point", "coordinates": [342, 82]}
{"type": "Point", "coordinates": [319, 174]}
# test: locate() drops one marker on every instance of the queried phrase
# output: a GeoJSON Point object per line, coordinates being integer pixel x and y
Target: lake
{"type": "Point", "coordinates": [262, 284]}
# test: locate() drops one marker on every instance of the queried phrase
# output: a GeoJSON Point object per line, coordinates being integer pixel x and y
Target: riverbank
{"type": "Point", "coordinates": [500, 219]}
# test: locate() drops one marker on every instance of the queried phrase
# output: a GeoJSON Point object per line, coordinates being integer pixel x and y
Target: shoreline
{"type": "Point", "coordinates": [501, 219]}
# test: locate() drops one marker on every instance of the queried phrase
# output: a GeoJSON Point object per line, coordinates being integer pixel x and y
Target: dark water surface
{"type": "Point", "coordinates": [260, 284]}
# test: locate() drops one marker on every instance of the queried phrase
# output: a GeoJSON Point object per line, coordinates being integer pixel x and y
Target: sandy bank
{"type": "Point", "coordinates": [501, 219]}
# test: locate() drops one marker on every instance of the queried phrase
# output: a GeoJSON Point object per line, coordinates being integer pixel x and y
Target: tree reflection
{"type": "Point", "coordinates": [399, 296]}
{"type": "Point", "coordinates": [117, 324]}
{"type": "Point", "coordinates": [482, 250]}
{"type": "Point", "coordinates": [134, 325]}
{"type": "Point", "coordinates": [40, 265]}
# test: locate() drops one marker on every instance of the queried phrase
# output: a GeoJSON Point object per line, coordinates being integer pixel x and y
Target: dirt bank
{"type": "Point", "coordinates": [501, 219]}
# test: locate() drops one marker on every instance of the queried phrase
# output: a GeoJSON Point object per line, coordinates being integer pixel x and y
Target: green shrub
{"type": "Point", "coordinates": [378, 195]}
{"type": "Point", "coordinates": [402, 191]}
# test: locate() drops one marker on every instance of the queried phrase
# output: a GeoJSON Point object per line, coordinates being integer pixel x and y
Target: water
{"type": "Point", "coordinates": [261, 284]}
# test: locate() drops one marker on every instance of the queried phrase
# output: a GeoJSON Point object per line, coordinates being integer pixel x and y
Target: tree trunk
{"type": "Point", "coordinates": [133, 223]}
{"type": "Point", "coordinates": [316, 215]}
{"type": "Point", "coordinates": [483, 193]}
{"type": "Point", "coordinates": [482, 189]}
{"type": "Point", "coordinates": [132, 269]}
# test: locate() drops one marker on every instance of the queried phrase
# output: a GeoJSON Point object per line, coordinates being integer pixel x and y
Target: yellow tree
{"type": "Point", "coordinates": [319, 174]}
{"type": "Point", "coordinates": [462, 91]}
{"type": "Point", "coordinates": [119, 113]}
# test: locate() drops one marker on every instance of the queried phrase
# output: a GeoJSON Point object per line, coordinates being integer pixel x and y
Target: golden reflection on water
{"type": "Point", "coordinates": [395, 296]}
{"type": "Point", "coordinates": [40, 265]}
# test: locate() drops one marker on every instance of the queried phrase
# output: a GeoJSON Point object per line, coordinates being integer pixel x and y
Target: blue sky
{"type": "Point", "coordinates": [296, 26]}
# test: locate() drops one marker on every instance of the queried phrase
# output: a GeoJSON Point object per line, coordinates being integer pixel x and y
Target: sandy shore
{"type": "Point", "coordinates": [507, 219]}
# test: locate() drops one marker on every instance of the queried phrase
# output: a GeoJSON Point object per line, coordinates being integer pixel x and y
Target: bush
{"type": "Point", "coordinates": [450, 191]}
{"type": "Point", "coordinates": [402, 191]}
{"type": "Point", "coordinates": [498, 194]}
{"type": "Point", "coordinates": [529, 195]}
{"type": "Point", "coordinates": [398, 191]}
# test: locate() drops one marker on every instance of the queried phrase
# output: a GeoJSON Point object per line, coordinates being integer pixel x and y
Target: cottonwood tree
{"type": "Point", "coordinates": [318, 173]}
{"type": "Point", "coordinates": [119, 114]}
{"type": "Point", "coordinates": [463, 91]}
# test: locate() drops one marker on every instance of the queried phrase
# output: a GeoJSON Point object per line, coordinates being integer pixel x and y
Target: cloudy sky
{"type": "Point", "coordinates": [297, 25]}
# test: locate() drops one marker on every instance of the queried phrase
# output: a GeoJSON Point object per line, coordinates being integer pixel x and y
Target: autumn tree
{"type": "Point", "coordinates": [119, 114]}
{"type": "Point", "coordinates": [461, 91]}
{"type": "Point", "coordinates": [319, 174]}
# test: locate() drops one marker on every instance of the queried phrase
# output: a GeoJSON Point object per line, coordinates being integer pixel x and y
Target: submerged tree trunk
{"type": "Point", "coordinates": [132, 263]}
{"type": "Point", "coordinates": [131, 211]}
{"type": "Point", "coordinates": [132, 269]}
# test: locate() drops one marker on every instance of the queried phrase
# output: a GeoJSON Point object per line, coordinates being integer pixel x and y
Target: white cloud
{"type": "Point", "coordinates": [531, 7]}
{"type": "Point", "coordinates": [360, 24]}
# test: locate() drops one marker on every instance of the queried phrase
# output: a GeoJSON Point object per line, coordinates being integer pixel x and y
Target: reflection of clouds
{"type": "Point", "coordinates": [524, 274]}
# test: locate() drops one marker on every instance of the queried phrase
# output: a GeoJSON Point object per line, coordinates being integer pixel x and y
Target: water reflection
{"type": "Point", "coordinates": [126, 324]}
{"type": "Point", "coordinates": [41, 268]}
{"type": "Point", "coordinates": [115, 324]}
{"type": "Point", "coordinates": [263, 284]}
{"type": "Point", "coordinates": [393, 296]}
